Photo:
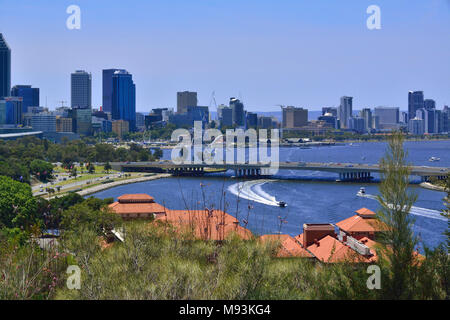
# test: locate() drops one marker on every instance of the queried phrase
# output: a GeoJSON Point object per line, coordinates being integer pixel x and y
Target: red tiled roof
{"type": "Point", "coordinates": [364, 212]}
{"type": "Point", "coordinates": [138, 197]}
{"type": "Point", "coordinates": [372, 245]}
{"type": "Point", "coordinates": [299, 239]}
{"type": "Point", "coordinates": [137, 208]}
{"type": "Point", "coordinates": [208, 225]}
{"type": "Point", "coordinates": [331, 250]}
{"type": "Point", "coordinates": [359, 224]}
{"type": "Point", "coordinates": [289, 247]}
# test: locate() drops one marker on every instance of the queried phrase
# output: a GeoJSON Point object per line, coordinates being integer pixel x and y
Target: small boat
{"type": "Point", "coordinates": [433, 159]}
{"type": "Point", "coordinates": [362, 191]}
{"type": "Point", "coordinates": [282, 204]}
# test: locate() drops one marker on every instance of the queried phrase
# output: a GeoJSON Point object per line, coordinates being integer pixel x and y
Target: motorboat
{"type": "Point", "coordinates": [433, 159]}
{"type": "Point", "coordinates": [282, 204]}
{"type": "Point", "coordinates": [362, 191]}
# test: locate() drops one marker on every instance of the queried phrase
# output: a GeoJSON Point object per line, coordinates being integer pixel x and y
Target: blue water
{"type": "Point", "coordinates": [312, 197]}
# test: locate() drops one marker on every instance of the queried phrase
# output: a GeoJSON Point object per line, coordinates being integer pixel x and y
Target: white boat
{"type": "Point", "coordinates": [433, 159]}
{"type": "Point", "coordinates": [361, 192]}
{"type": "Point", "coordinates": [282, 204]}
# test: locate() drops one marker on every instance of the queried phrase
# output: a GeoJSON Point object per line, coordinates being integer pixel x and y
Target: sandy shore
{"type": "Point", "coordinates": [430, 186]}
{"type": "Point", "coordinates": [106, 186]}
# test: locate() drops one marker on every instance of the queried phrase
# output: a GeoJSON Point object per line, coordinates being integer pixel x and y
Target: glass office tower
{"type": "Point", "coordinates": [124, 98]}
{"type": "Point", "coordinates": [30, 96]}
{"type": "Point", "coordinates": [5, 68]}
{"type": "Point", "coordinates": [108, 89]}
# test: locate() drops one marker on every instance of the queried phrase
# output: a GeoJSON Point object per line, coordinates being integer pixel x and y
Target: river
{"type": "Point", "coordinates": [311, 197]}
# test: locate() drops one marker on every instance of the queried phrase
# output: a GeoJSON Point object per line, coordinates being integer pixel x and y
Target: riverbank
{"type": "Point", "coordinates": [431, 186]}
{"type": "Point", "coordinates": [106, 186]}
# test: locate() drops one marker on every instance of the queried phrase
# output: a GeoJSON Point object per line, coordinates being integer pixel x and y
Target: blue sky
{"type": "Point", "coordinates": [302, 53]}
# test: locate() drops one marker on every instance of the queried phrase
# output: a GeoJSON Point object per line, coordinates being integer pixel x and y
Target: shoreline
{"type": "Point", "coordinates": [98, 188]}
{"type": "Point", "coordinates": [430, 186]}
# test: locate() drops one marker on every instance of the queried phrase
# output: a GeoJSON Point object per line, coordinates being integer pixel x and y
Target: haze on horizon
{"type": "Point", "coordinates": [302, 53]}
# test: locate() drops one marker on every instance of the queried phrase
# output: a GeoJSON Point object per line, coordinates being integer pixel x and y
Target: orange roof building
{"type": "Point", "coordinates": [289, 247]}
{"type": "Point", "coordinates": [331, 250]}
{"type": "Point", "coordinates": [363, 224]}
{"type": "Point", "coordinates": [135, 206]}
{"type": "Point", "coordinates": [204, 224]}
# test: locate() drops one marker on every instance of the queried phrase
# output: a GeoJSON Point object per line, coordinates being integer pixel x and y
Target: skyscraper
{"type": "Point", "coordinates": [294, 117]}
{"type": "Point", "coordinates": [345, 111]}
{"type": "Point", "coordinates": [238, 112]}
{"type": "Point", "coordinates": [186, 99]}
{"type": "Point", "coordinates": [108, 89]}
{"type": "Point", "coordinates": [81, 120]}
{"type": "Point", "coordinates": [124, 98]}
{"type": "Point", "coordinates": [30, 96]}
{"type": "Point", "coordinates": [81, 89]}
{"type": "Point", "coordinates": [225, 115]}
{"type": "Point", "coordinates": [388, 115]}
{"type": "Point", "coordinates": [429, 104]}
{"type": "Point", "coordinates": [13, 110]}
{"type": "Point", "coordinates": [415, 102]}
{"type": "Point", "coordinates": [366, 114]}
{"type": "Point", "coordinates": [5, 68]}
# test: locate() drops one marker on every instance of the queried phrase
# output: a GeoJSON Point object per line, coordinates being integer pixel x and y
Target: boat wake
{"type": "Point", "coordinates": [418, 211]}
{"type": "Point", "coordinates": [252, 190]}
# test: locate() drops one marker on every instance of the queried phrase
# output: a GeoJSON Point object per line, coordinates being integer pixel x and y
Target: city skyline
{"type": "Point", "coordinates": [286, 61]}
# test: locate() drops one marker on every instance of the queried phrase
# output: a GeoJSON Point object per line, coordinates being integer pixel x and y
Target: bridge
{"type": "Point", "coordinates": [346, 171]}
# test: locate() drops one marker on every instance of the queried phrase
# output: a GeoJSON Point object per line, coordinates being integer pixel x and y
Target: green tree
{"type": "Point", "coordinates": [73, 172]}
{"type": "Point", "coordinates": [41, 169]}
{"type": "Point", "coordinates": [397, 239]}
{"type": "Point", "coordinates": [107, 167]}
{"type": "Point", "coordinates": [18, 207]}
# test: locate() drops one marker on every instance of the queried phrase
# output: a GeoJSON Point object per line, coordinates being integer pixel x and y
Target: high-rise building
{"type": "Point", "coordinates": [329, 119]}
{"type": "Point", "coordinates": [403, 117]}
{"type": "Point", "coordinates": [415, 102]}
{"type": "Point", "coordinates": [13, 110]}
{"type": "Point", "coordinates": [333, 111]}
{"type": "Point", "coordinates": [431, 121]}
{"type": "Point", "coordinates": [5, 68]}
{"type": "Point", "coordinates": [63, 124]}
{"type": "Point", "coordinates": [186, 99]}
{"type": "Point", "coordinates": [445, 119]}
{"type": "Point", "coordinates": [375, 122]}
{"type": "Point", "coordinates": [198, 113]}
{"type": "Point", "coordinates": [120, 127]}
{"type": "Point", "coordinates": [294, 117]}
{"type": "Point", "coordinates": [366, 114]}
{"type": "Point", "coordinates": [108, 89]}
{"type": "Point", "coordinates": [429, 104]}
{"type": "Point", "coordinates": [416, 126]}
{"type": "Point", "coordinates": [2, 112]}
{"type": "Point", "coordinates": [238, 112]}
{"type": "Point", "coordinates": [81, 120]}
{"type": "Point", "coordinates": [124, 98]}
{"type": "Point", "coordinates": [251, 120]}
{"type": "Point", "coordinates": [30, 96]}
{"type": "Point", "coordinates": [140, 121]}
{"type": "Point", "coordinates": [81, 89]}
{"type": "Point", "coordinates": [387, 115]}
{"type": "Point", "coordinates": [345, 111]}
{"type": "Point", "coordinates": [225, 115]}
{"type": "Point", "coordinates": [265, 122]}
{"type": "Point", "coordinates": [357, 124]}
{"type": "Point", "coordinates": [44, 121]}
